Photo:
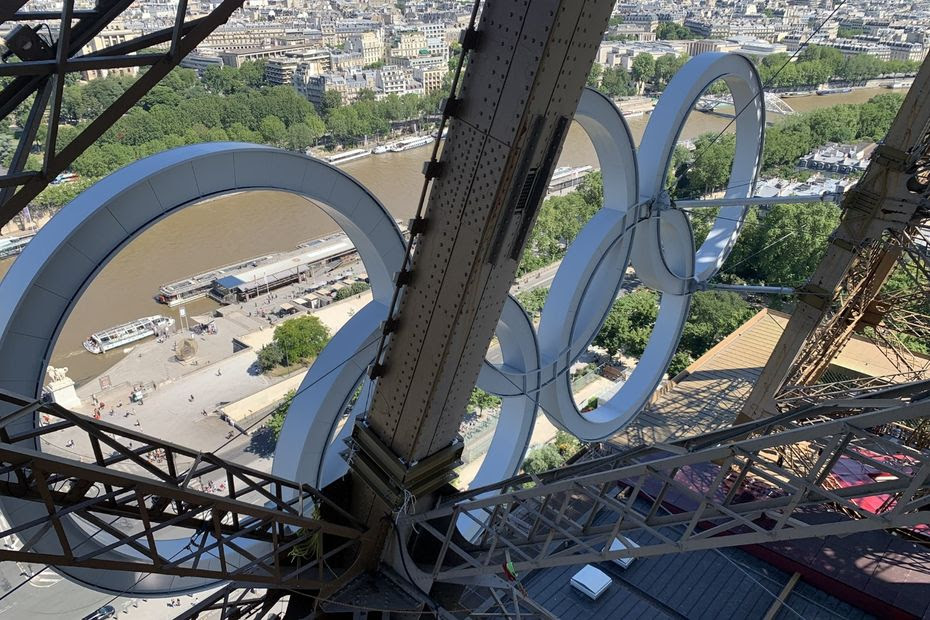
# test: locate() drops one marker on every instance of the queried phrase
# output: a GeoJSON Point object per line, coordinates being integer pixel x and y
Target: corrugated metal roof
{"type": "Point", "coordinates": [728, 583]}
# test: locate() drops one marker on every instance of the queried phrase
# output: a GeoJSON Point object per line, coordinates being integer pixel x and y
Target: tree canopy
{"type": "Point", "coordinates": [673, 31]}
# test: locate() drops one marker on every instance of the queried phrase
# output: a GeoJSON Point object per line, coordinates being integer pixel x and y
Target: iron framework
{"type": "Point", "coordinates": [883, 223]}
{"type": "Point", "coordinates": [148, 486]}
{"type": "Point", "coordinates": [711, 491]}
{"type": "Point", "coordinates": [44, 79]}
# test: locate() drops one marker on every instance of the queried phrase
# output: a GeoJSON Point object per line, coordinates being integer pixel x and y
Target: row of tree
{"type": "Point", "coordinates": [819, 64]}
{"type": "Point", "coordinates": [706, 168]}
{"type": "Point", "coordinates": [814, 66]}
{"type": "Point", "coordinates": [226, 104]}
{"type": "Point", "coordinates": [645, 69]}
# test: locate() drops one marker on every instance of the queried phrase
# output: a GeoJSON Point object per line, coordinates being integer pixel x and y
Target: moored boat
{"type": "Point", "coordinates": [345, 156]}
{"type": "Point", "coordinates": [121, 335]}
{"type": "Point", "coordinates": [411, 143]}
{"type": "Point", "coordinates": [834, 91]}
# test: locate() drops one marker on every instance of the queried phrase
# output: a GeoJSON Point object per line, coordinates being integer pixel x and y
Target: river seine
{"type": "Point", "coordinates": [235, 227]}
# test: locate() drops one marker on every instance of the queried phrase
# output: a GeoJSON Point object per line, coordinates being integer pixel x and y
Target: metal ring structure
{"type": "Point", "coordinates": [320, 417]}
{"type": "Point", "coordinates": [48, 278]}
{"type": "Point", "coordinates": [590, 276]}
{"type": "Point", "coordinates": [662, 239]}
{"type": "Point", "coordinates": [660, 247]}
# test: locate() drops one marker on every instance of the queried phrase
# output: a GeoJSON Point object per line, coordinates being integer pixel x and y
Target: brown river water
{"type": "Point", "coordinates": [235, 227]}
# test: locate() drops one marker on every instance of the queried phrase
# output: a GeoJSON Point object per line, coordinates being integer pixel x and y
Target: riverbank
{"type": "Point", "coordinates": [229, 228]}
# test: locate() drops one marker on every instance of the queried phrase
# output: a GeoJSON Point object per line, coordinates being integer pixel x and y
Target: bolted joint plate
{"type": "Point", "coordinates": [390, 477]}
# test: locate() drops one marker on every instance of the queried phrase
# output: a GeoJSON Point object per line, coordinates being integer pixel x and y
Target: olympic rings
{"type": "Point", "coordinates": [660, 247]}
{"type": "Point", "coordinates": [637, 225]}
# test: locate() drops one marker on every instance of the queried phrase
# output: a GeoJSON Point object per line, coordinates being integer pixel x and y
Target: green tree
{"type": "Point", "coordinates": [710, 169]}
{"type": "Point", "coordinates": [353, 289]}
{"type": "Point", "coordinates": [300, 137]}
{"type": "Point", "coordinates": [629, 323]}
{"type": "Point", "coordinates": [332, 100]}
{"type": "Point", "coordinates": [223, 80]}
{"type": "Point", "coordinates": [680, 361]}
{"type": "Point", "coordinates": [665, 67]}
{"type": "Point", "coordinates": [270, 356]}
{"type": "Point", "coordinates": [542, 459]}
{"type": "Point", "coordinates": [482, 401]}
{"type": "Point", "coordinates": [533, 300]}
{"type": "Point", "coordinates": [276, 420]}
{"type": "Point", "coordinates": [713, 316]}
{"type": "Point", "coordinates": [567, 444]}
{"type": "Point", "coordinates": [876, 115]}
{"type": "Point", "coordinates": [301, 338]}
{"type": "Point", "coordinates": [253, 73]}
{"type": "Point", "coordinates": [273, 130]}
{"type": "Point", "coordinates": [673, 31]}
{"type": "Point", "coordinates": [784, 246]}
{"type": "Point", "coordinates": [616, 83]}
{"type": "Point", "coordinates": [643, 67]}
{"type": "Point", "coordinates": [594, 76]}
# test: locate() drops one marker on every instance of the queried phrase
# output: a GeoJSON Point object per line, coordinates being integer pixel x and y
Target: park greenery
{"type": "Point", "coordinates": [295, 341]}
{"type": "Point", "coordinates": [713, 315]}
{"type": "Point", "coordinates": [551, 455]}
{"type": "Point", "coordinates": [801, 230]}
{"type": "Point", "coordinates": [353, 289]}
{"type": "Point", "coordinates": [818, 64]}
{"type": "Point", "coordinates": [276, 420]}
{"type": "Point", "coordinates": [481, 401]}
{"type": "Point", "coordinates": [673, 31]}
{"type": "Point", "coordinates": [706, 168]}
{"type": "Point", "coordinates": [239, 105]}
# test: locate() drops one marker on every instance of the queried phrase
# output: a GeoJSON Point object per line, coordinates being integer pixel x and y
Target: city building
{"type": "Point", "coordinates": [200, 60]}
{"type": "Point", "coordinates": [839, 158]}
{"type": "Point", "coordinates": [108, 37]}
{"type": "Point", "coordinates": [348, 85]}
{"type": "Point", "coordinates": [283, 69]}
{"type": "Point", "coordinates": [369, 44]}
{"type": "Point", "coordinates": [903, 50]}
{"type": "Point", "coordinates": [853, 47]}
{"type": "Point", "coordinates": [431, 77]}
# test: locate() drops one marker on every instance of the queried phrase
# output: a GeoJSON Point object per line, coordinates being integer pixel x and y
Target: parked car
{"type": "Point", "coordinates": [617, 545]}
{"type": "Point", "coordinates": [107, 611]}
{"type": "Point", "coordinates": [591, 582]}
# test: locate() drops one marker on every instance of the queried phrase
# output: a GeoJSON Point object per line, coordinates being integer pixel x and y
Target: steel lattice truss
{"type": "Point", "coordinates": [146, 483]}
{"type": "Point", "coordinates": [882, 228]}
{"type": "Point", "coordinates": [713, 491]}
{"type": "Point", "coordinates": [43, 79]}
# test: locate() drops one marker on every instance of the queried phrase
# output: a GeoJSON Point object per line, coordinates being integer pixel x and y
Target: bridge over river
{"type": "Point", "coordinates": [712, 103]}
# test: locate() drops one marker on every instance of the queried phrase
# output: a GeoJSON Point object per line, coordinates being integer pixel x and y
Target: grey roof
{"type": "Point", "coordinates": [703, 584]}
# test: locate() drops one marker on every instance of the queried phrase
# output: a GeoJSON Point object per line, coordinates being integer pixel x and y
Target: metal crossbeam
{"type": "Point", "coordinates": [44, 79]}
{"type": "Point", "coordinates": [670, 500]}
{"type": "Point", "coordinates": [146, 485]}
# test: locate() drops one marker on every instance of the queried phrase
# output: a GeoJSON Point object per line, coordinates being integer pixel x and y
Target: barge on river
{"type": "Point", "coordinates": [198, 286]}
{"type": "Point", "coordinates": [127, 333]}
{"type": "Point", "coordinates": [411, 143]}
{"type": "Point", "coordinates": [312, 261]}
{"type": "Point", "coordinates": [347, 156]}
